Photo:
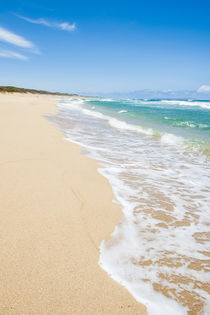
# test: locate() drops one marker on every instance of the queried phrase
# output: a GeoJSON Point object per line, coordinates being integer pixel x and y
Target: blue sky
{"type": "Point", "coordinates": [105, 46]}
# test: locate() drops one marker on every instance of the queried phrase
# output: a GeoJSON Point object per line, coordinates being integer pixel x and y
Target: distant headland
{"type": "Point", "coordinates": [13, 89]}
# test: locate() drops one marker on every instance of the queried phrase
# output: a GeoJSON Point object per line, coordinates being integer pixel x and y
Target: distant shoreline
{"type": "Point", "coordinates": [13, 89]}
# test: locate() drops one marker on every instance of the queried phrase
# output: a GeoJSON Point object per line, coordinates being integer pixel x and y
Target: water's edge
{"type": "Point", "coordinates": [143, 291]}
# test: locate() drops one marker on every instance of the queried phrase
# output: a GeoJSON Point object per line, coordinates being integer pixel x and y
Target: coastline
{"type": "Point", "coordinates": [52, 219]}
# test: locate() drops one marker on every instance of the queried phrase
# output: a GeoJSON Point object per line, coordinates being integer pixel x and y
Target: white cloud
{"type": "Point", "coordinates": [14, 39]}
{"type": "Point", "coordinates": [65, 26]}
{"type": "Point", "coordinates": [204, 89]}
{"type": "Point", "coordinates": [12, 54]}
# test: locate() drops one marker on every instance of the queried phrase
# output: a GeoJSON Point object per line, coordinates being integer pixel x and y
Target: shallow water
{"type": "Point", "coordinates": [155, 155]}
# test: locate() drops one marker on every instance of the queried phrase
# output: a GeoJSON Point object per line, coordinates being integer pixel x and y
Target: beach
{"type": "Point", "coordinates": [55, 211]}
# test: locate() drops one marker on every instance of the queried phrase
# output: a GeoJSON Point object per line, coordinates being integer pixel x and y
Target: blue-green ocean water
{"type": "Point", "coordinates": [188, 119]}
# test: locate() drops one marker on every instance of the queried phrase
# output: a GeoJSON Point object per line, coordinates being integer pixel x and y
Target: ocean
{"type": "Point", "coordinates": [156, 156]}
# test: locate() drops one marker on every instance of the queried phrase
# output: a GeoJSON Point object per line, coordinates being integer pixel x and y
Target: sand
{"type": "Point", "coordinates": [55, 209]}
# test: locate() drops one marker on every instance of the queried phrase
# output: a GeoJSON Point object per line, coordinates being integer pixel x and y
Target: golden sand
{"type": "Point", "coordinates": [55, 211]}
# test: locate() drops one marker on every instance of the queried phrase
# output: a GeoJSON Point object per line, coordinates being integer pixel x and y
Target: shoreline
{"type": "Point", "coordinates": [144, 253]}
{"type": "Point", "coordinates": [52, 219]}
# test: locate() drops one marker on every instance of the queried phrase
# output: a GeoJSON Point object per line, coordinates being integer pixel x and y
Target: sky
{"type": "Point", "coordinates": [105, 46]}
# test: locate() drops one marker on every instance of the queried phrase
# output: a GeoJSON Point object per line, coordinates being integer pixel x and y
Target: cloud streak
{"type": "Point", "coordinates": [12, 54]}
{"type": "Point", "coordinates": [204, 89]}
{"type": "Point", "coordinates": [64, 26]}
{"type": "Point", "coordinates": [15, 39]}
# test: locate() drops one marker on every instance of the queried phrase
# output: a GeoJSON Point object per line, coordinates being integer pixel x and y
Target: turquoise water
{"type": "Point", "coordinates": [187, 119]}
{"type": "Point", "coordinates": [155, 155]}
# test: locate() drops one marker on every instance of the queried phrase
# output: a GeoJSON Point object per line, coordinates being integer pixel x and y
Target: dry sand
{"type": "Point", "coordinates": [55, 211]}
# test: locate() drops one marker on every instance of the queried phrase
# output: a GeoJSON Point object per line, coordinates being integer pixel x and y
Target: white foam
{"type": "Point", "coordinates": [125, 126]}
{"type": "Point", "coordinates": [143, 292]}
{"type": "Point", "coordinates": [190, 124]}
{"type": "Point", "coordinates": [205, 105]}
{"type": "Point", "coordinates": [171, 139]}
{"type": "Point", "coordinates": [122, 111]}
{"type": "Point", "coordinates": [107, 100]}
